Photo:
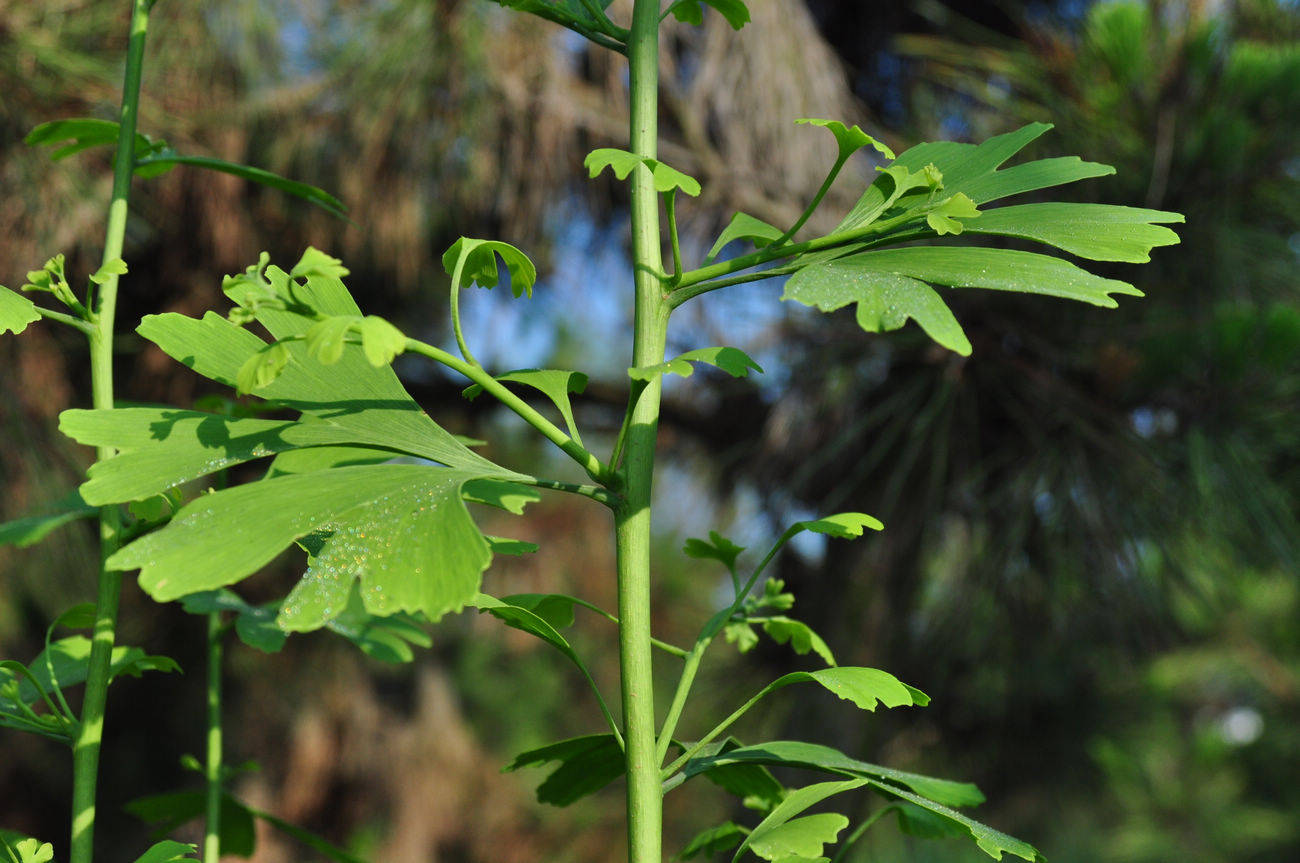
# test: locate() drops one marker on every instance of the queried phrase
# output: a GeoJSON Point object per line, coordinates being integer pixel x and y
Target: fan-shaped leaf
{"type": "Point", "coordinates": [799, 636]}
{"type": "Point", "coordinates": [555, 384]}
{"type": "Point", "coordinates": [66, 662]}
{"type": "Point", "coordinates": [476, 261]}
{"type": "Point", "coordinates": [622, 163]}
{"type": "Point", "coordinates": [850, 138]}
{"type": "Point", "coordinates": [799, 837]}
{"type": "Point", "coordinates": [1100, 232]}
{"type": "Point", "coordinates": [744, 227]}
{"type": "Point", "coordinates": [586, 765]}
{"type": "Point", "coordinates": [692, 11]}
{"type": "Point", "coordinates": [716, 547]}
{"type": "Point", "coordinates": [843, 525]}
{"type": "Point", "coordinates": [770, 835]}
{"type": "Point", "coordinates": [16, 311]}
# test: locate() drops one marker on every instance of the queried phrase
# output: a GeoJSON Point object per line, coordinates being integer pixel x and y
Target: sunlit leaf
{"type": "Point", "coordinates": [510, 496]}
{"type": "Point", "coordinates": [586, 765]}
{"type": "Point", "coordinates": [742, 635]}
{"type": "Point", "coordinates": [314, 262]}
{"type": "Point", "coordinates": [768, 836]}
{"type": "Point", "coordinates": [1099, 232]}
{"type": "Point", "coordinates": [850, 138]}
{"type": "Point", "coordinates": [381, 342]}
{"type": "Point", "coordinates": [622, 163]}
{"type": "Point", "coordinates": [34, 851]}
{"type": "Point", "coordinates": [477, 263]}
{"type": "Point", "coordinates": [325, 340]}
{"type": "Point", "coordinates": [943, 219]}
{"type": "Point", "coordinates": [843, 525]}
{"type": "Point", "coordinates": [262, 368]}
{"type": "Point", "coordinates": [402, 530]}
{"type": "Point", "coordinates": [555, 384]}
{"type": "Point", "coordinates": [733, 361]}
{"type": "Point", "coordinates": [744, 227]}
{"type": "Point", "coordinates": [799, 837]}
{"type": "Point", "coordinates": [16, 311]}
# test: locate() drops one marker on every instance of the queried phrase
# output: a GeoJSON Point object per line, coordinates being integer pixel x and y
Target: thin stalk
{"type": "Point", "coordinates": [455, 314]}
{"type": "Point", "coordinates": [859, 831]}
{"type": "Point", "coordinates": [670, 205]}
{"type": "Point", "coordinates": [595, 492]}
{"type": "Point", "coordinates": [816, 201]}
{"type": "Point", "coordinates": [74, 322]}
{"type": "Point", "coordinates": [684, 683]}
{"type": "Point", "coordinates": [670, 649]}
{"type": "Point", "coordinates": [85, 752]}
{"type": "Point", "coordinates": [632, 519]}
{"type": "Point", "coordinates": [595, 468]}
{"type": "Point", "coordinates": [212, 771]}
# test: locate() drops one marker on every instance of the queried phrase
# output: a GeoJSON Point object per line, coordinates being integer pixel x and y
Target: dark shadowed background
{"type": "Point", "coordinates": [1091, 551]}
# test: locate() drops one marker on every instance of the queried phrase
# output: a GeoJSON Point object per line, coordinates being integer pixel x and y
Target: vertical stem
{"type": "Point", "coordinates": [85, 753]}
{"type": "Point", "coordinates": [632, 520]}
{"type": "Point", "coordinates": [212, 772]}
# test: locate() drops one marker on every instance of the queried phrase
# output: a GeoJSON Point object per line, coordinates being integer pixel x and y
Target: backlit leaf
{"type": "Point", "coordinates": [850, 138]}
{"type": "Point", "coordinates": [326, 339]}
{"type": "Point", "coordinates": [943, 219]}
{"type": "Point", "coordinates": [843, 525]}
{"type": "Point", "coordinates": [381, 342]}
{"type": "Point", "coordinates": [622, 163]}
{"type": "Point", "coordinates": [477, 262]}
{"type": "Point", "coordinates": [799, 837]}
{"type": "Point", "coordinates": [744, 227]}
{"type": "Point", "coordinates": [16, 311]}
{"type": "Point", "coordinates": [115, 267]}
{"type": "Point", "coordinates": [34, 851]}
{"type": "Point", "coordinates": [799, 635]}
{"type": "Point", "coordinates": [555, 384]}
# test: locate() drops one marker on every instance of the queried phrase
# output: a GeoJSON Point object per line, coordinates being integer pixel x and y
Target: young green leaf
{"type": "Point", "coordinates": [744, 227]}
{"type": "Point", "coordinates": [16, 312]}
{"type": "Point", "coordinates": [167, 852]}
{"type": "Point", "coordinates": [799, 636]}
{"type": "Point", "coordinates": [849, 138]}
{"type": "Point", "coordinates": [714, 841]}
{"type": "Point", "coordinates": [992, 842]}
{"type": "Point", "coordinates": [262, 368]}
{"type": "Point", "coordinates": [115, 267]}
{"type": "Point", "coordinates": [34, 851]}
{"type": "Point", "coordinates": [886, 304]}
{"type": "Point", "coordinates": [812, 756]}
{"type": "Point", "coordinates": [742, 635]}
{"type": "Point", "coordinates": [476, 261]}
{"type": "Point", "coordinates": [692, 11]}
{"type": "Point", "coordinates": [943, 218]}
{"type": "Point", "coordinates": [314, 262]}
{"type": "Point", "coordinates": [381, 342]}
{"type": "Point", "coordinates": [770, 837]}
{"type": "Point", "coordinates": [843, 525]}
{"type": "Point", "coordinates": [28, 531]}
{"type": "Point", "coordinates": [733, 361]}
{"type": "Point", "coordinates": [716, 547]}
{"type": "Point", "coordinates": [622, 163]}
{"type": "Point", "coordinates": [586, 765]}
{"type": "Point", "coordinates": [555, 384]}
{"type": "Point", "coordinates": [1099, 232]}
{"type": "Point", "coordinates": [325, 340]}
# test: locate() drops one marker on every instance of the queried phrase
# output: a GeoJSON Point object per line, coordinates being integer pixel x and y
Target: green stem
{"type": "Point", "coordinates": [212, 773]}
{"type": "Point", "coordinates": [684, 684]}
{"type": "Point", "coordinates": [670, 206]}
{"type": "Point", "coordinates": [595, 468]}
{"type": "Point", "coordinates": [85, 753]}
{"type": "Point", "coordinates": [455, 314]}
{"type": "Point", "coordinates": [632, 519]}
{"type": "Point", "coordinates": [671, 649]}
{"type": "Point", "coordinates": [816, 201]}
{"type": "Point", "coordinates": [595, 492]}
{"type": "Point", "coordinates": [69, 320]}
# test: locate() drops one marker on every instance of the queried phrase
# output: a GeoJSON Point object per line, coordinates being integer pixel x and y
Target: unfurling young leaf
{"type": "Point", "coordinates": [381, 342]}
{"type": "Point", "coordinates": [262, 368]}
{"type": "Point", "coordinates": [115, 267]}
{"type": "Point", "coordinates": [742, 635]}
{"type": "Point", "coordinates": [943, 218]}
{"type": "Point", "coordinates": [799, 636]}
{"type": "Point", "coordinates": [476, 261]}
{"type": "Point", "coordinates": [744, 227]}
{"type": "Point", "coordinates": [314, 262]}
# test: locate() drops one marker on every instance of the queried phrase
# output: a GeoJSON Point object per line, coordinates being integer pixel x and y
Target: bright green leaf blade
{"type": "Point", "coordinates": [24, 532]}
{"type": "Point", "coordinates": [309, 193]}
{"type": "Point", "coordinates": [795, 803]}
{"type": "Point", "coordinates": [992, 842]}
{"type": "Point", "coordinates": [326, 338]}
{"type": "Point", "coordinates": [714, 841]}
{"type": "Point", "coordinates": [311, 459]}
{"type": "Point", "coordinates": [586, 765]}
{"type": "Point", "coordinates": [850, 138]}
{"type": "Point", "coordinates": [555, 384]}
{"type": "Point", "coordinates": [812, 756]}
{"type": "Point", "coordinates": [667, 178]}
{"type": "Point", "coordinates": [167, 852]}
{"type": "Point", "coordinates": [34, 851]}
{"type": "Point", "coordinates": [799, 636]}
{"type": "Point", "coordinates": [402, 529]}
{"type": "Point", "coordinates": [509, 496]}
{"type": "Point", "coordinates": [381, 342]}
{"type": "Point", "coordinates": [526, 620]}
{"type": "Point", "coordinates": [621, 162]}
{"type": "Point", "coordinates": [370, 402]}
{"type": "Point", "coordinates": [992, 269]}
{"type": "Point", "coordinates": [885, 300]}
{"type": "Point", "coordinates": [800, 837]}
{"type": "Point", "coordinates": [16, 311]}
{"type": "Point", "coordinates": [1099, 232]}
{"type": "Point", "coordinates": [478, 263]}
{"type": "Point", "coordinates": [843, 525]}
{"type": "Point", "coordinates": [744, 227]}
{"type": "Point", "coordinates": [557, 609]}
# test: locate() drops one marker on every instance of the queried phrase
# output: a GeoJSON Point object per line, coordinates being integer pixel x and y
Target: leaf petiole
{"type": "Point", "coordinates": [670, 205]}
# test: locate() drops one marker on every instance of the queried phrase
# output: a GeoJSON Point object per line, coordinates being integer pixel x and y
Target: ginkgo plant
{"type": "Point", "coordinates": [377, 498]}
